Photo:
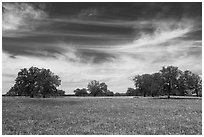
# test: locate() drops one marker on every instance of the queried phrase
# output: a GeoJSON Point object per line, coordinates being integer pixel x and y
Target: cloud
{"type": "Point", "coordinates": [88, 12]}
{"type": "Point", "coordinates": [164, 30]}
{"type": "Point", "coordinates": [21, 17]}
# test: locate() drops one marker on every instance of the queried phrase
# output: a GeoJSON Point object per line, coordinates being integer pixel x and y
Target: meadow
{"type": "Point", "coordinates": [95, 115]}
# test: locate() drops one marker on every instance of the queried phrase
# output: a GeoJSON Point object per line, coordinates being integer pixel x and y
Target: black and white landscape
{"type": "Point", "coordinates": [60, 61]}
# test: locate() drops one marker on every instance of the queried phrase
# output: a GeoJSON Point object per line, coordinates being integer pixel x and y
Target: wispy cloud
{"type": "Point", "coordinates": [21, 17]}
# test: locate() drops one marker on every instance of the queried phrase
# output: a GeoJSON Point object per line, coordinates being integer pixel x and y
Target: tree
{"type": "Point", "coordinates": [103, 87]}
{"type": "Point", "coordinates": [94, 87]}
{"type": "Point", "coordinates": [130, 92]}
{"type": "Point", "coordinates": [120, 94]}
{"type": "Point", "coordinates": [133, 92]}
{"type": "Point", "coordinates": [109, 93]}
{"type": "Point", "coordinates": [35, 81]}
{"type": "Point", "coordinates": [185, 82]}
{"type": "Point", "coordinates": [26, 81]}
{"type": "Point", "coordinates": [169, 80]}
{"type": "Point", "coordinates": [97, 89]}
{"type": "Point", "coordinates": [47, 82]}
{"type": "Point", "coordinates": [60, 92]}
{"type": "Point", "coordinates": [117, 94]}
{"type": "Point", "coordinates": [196, 84]}
{"type": "Point", "coordinates": [189, 81]}
{"type": "Point", "coordinates": [182, 85]}
{"type": "Point", "coordinates": [138, 83]}
{"type": "Point", "coordinates": [156, 84]}
{"type": "Point", "coordinates": [143, 83]}
{"type": "Point", "coordinates": [80, 92]}
{"type": "Point", "coordinates": [170, 77]}
{"type": "Point", "coordinates": [13, 91]}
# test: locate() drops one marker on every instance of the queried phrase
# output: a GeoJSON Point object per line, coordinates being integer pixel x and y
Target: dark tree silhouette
{"type": "Point", "coordinates": [196, 84]}
{"type": "Point", "coordinates": [60, 92]}
{"type": "Point", "coordinates": [156, 84]}
{"type": "Point", "coordinates": [94, 87]}
{"type": "Point", "coordinates": [169, 81]}
{"type": "Point", "coordinates": [97, 89]}
{"type": "Point", "coordinates": [170, 77]}
{"type": "Point", "coordinates": [109, 93]}
{"type": "Point", "coordinates": [132, 92]}
{"type": "Point", "coordinates": [143, 83]}
{"type": "Point", "coordinates": [35, 81]}
{"type": "Point", "coordinates": [103, 87]}
{"type": "Point", "coordinates": [80, 92]}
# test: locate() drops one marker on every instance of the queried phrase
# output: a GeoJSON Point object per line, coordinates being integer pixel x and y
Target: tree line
{"type": "Point", "coordinates": [94, 88]}
{"type": "Point", "coordinates": [168, 81]}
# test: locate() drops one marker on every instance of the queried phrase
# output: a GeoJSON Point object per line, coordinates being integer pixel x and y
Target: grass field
{"type": "Point", "coordinates": [119, 115]}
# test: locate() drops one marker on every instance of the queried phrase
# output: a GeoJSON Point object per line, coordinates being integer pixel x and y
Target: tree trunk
{"type": "Point", "coordinates": [196, 91]}
{"type": "Point", "coordinates": [31, 95]}
{"type": "Point", "coordinates": [151, 91]}
{"type": "Point", "coordinates": [152, 95]}
{"type": "Point", "coordinates": [169, 90]}
{"type": "Point", "coordinates": [30, 88]}
{"type": "Point", "coordinates": [168, 96]}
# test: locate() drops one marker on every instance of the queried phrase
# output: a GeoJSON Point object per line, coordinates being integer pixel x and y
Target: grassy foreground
{"type": "Point", "coordinates": [72, 115]}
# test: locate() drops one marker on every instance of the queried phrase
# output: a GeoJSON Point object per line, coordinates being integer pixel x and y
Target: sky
{"type": "Point", "coordinates": [107, 42]}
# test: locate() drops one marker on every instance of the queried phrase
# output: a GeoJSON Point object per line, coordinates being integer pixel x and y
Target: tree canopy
{"type": "Point", "coordinates": [170, 76]}
{"type": "Point", "coordinates": [80, 92]}
{"type": "Point", "coordinates": [98, 89]}
{"type": "Point", "coordinates": [168, 81]}
{"type": "Point", "coordinates": [35, 81]}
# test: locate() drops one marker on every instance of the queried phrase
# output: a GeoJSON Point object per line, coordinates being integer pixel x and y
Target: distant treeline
{"type": "Point", "coordinates": [35, 82]}
{"type": "Point", "coordinates": [167, 81]}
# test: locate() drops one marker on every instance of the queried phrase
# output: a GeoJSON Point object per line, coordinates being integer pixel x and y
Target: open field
{"type": "Point", "coordinates": [117, 115]}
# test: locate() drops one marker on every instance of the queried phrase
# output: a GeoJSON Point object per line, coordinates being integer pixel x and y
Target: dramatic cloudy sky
{"type": "Point", "coordinates": [108, 42]}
